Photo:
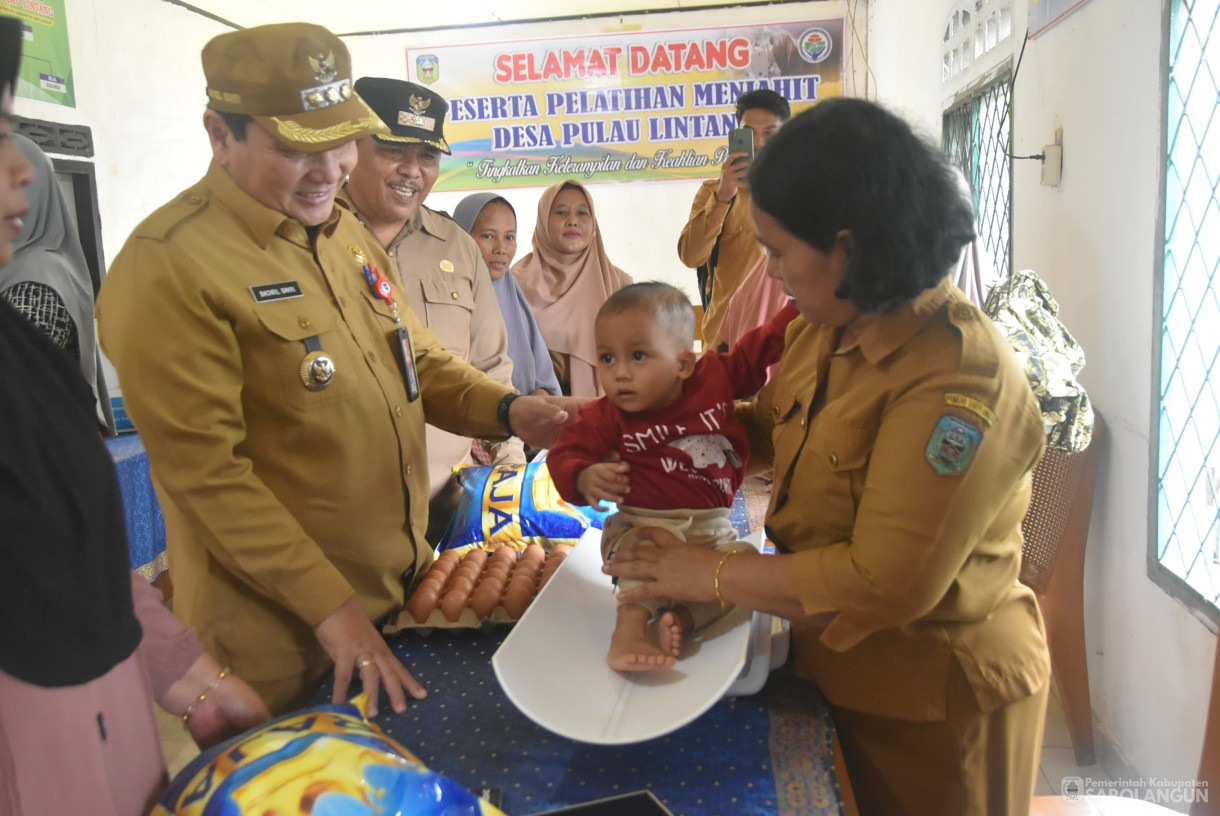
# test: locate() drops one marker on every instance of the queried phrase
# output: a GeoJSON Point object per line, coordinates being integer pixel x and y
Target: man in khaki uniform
{"type": "Point", "coordinates": [719, 232]}
{"type": "Point", "coordinates": [439, 266]}
{"type": "Point", "coordinates": [281, 383]}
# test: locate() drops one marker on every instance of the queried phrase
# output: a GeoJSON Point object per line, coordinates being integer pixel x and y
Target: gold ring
{"type": "Point", "coordinates": [363, 663]}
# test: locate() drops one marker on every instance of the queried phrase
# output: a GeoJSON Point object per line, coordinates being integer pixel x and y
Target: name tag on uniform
{"type": "Point", "coordinates": [276, 291]}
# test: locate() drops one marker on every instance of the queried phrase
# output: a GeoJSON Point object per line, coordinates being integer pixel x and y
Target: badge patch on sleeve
{"type": "Point", "coordinates": [953, 445]}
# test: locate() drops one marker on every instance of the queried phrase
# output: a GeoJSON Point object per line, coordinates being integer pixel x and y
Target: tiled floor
{"type": "Point", "coordinates": [1057, 761]}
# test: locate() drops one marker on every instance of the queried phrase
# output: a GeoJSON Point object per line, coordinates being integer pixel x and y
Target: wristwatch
{"type": "Point", "coordinates": [502, 411]}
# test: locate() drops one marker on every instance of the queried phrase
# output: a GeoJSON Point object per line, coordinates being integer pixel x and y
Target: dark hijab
{"type": "Point", "coordinates": [66, 613]}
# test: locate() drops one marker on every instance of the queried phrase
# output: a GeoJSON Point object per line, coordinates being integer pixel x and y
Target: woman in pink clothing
{"type": "Point", "coordinates": [85, 644]}
{"type": "Point", "coordinates": [756, 301]}
{"type": "Point", "coordinates": [566, 279]}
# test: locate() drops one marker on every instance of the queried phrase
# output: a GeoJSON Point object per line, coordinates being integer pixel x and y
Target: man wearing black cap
{"type": "Point", "coordinates": [281, 383]}
{"type": "Point", "coordinates": [439, 265]}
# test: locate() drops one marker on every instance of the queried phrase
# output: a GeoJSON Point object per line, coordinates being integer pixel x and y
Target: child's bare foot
{"type": "Point", "coordinates": [634, 645]}
{"type": "Point", "coordinates": [669, 634]}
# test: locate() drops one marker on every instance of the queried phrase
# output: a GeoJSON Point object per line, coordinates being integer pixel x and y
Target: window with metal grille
{"type": "Point", "coordinates": [975, 134]}
{"type": "Point", "coordinates": [1186, 558]}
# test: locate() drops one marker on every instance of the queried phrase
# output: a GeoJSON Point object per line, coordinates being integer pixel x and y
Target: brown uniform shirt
{"type": "Point", "coordinates": [448, 286]}
{"type": "Point", "coordinates": [902, 473]}
{"type": "Point", "coordinates": [739, 249]}
{"type": "Point", "coordinates": [279, 501]}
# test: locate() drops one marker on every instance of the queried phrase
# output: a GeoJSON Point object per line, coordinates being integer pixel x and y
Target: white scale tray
{"type": "Point", "coordinates": [553, 664]}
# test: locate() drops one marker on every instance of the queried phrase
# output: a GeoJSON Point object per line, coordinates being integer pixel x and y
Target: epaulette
{"type": "Point", "coordinates": [163, 220]}
{"type": "Point", "coordinates": [979, 355]}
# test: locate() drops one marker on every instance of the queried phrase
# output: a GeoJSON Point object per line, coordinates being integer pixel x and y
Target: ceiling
{"type": "Point", "coordinates": [388, 16]}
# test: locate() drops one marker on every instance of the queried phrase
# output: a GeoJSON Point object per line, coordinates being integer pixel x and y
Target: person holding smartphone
{"type": "Point", "coordinates": [719, 238]}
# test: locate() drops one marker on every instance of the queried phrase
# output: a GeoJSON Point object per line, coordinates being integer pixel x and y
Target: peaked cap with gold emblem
{"type": "Point", "coordinates": [295, 79]}
{"type": "Point", "coordinates": [415, 114]}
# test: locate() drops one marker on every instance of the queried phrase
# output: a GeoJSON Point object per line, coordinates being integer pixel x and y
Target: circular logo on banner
{"type": "Point", "coordinates": [814, 45]}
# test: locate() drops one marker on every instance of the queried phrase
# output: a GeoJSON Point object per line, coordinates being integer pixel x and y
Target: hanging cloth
{"type": "Point", "coordinates": [1027, 314]}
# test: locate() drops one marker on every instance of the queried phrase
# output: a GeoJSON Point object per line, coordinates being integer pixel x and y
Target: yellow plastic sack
{"type": "Point", "coordinates": [515, 506]}
{"type": "Point", "coordinates": [323, 761]}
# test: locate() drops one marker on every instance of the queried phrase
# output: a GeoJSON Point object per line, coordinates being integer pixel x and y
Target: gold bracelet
{"type": "Point", "coordinates": [199, 700]}
{"type": "Point", "coordinates": [723, 603]}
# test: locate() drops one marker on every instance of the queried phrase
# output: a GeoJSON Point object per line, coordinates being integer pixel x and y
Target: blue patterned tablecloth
{"type": "Point", "coordinates": [765, 755]}
{"type": "Point", "coordinates": [145, 524]}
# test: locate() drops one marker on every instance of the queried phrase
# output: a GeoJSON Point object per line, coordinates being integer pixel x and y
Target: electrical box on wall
{"type": "Point", "coordinates": [1052, 161]}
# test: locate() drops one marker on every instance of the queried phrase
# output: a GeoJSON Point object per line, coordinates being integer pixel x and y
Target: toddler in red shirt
{"type": "Point", "coordinates": [665, 445]}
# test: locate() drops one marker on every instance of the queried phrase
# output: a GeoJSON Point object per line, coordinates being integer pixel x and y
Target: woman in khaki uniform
{"type": "Point", "coordinates": [903, 434]}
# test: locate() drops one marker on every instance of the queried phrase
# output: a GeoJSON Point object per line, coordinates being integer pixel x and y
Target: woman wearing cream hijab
{"type": "Point", "coordinates": [566, 279]}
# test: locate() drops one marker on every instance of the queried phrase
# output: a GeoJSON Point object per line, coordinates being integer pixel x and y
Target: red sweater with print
{"type": "Point", "coordinates": [691, 453]}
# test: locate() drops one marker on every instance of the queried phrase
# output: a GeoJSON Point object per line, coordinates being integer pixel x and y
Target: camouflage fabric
{"type": "Point", "coordinates": [1027, 314]}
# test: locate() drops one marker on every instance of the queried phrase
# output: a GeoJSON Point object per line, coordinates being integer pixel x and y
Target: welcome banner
{"type": "Point", "coordinates": [616, 107]}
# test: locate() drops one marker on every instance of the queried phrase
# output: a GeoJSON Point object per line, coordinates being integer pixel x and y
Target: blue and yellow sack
{"type": "Point", "coordinates": [328, 760]}
{"type": "Point", "coordinates": [515, 506]}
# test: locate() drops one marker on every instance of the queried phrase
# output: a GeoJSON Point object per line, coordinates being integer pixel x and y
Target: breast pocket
{"type": "Point", "coordinates": [831, 472]}
{"type": "Point", "coordinates": [280, 351]}
{"type": "Point", "coordinates": [449, 304]}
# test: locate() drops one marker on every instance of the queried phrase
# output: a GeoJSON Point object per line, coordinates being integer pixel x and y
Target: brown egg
{"type": "Point", "coordinates": [486, 598]}
{"type": "Point", "coordinates": [446, 561]}
{"type": "Point", "coordinates": [534, 552]}
{"type": "Point", "coordinates": [554, 559]}
{"type": "Point", "coordinates": [470, 568]}
{"type": "Point", "coordinates": [475, 557]}
{"type": "Point", "coordinates": [498, 571]}
{"type": "Point", "coordinates": [459, 583]}
{"type": "Point", "coordinates": [453, 603]}
{"type": "Point", "coordinates": [504, 555]}
{"type": "Point", "coordinates": [530, 568]}
{"type": "Point", "coordinates": [516, 599]}
{"type": "Point", "coordinates": [434, 578]}
{"type": "Point", "coordinates": [521, 582]}
{"type": "Point", "coordinates": [423, 602]}
{"type": "Point", "coordinates": [496, 578]}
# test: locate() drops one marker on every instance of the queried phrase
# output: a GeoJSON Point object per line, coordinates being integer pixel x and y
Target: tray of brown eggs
{"type": "Point", "coordinates": [465, 589]}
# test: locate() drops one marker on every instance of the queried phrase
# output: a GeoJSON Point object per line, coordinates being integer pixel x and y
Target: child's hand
{"type": "Point", "coordinates": [606, 481]}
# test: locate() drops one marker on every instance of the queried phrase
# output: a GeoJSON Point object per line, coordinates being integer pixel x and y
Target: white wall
{"type": "Point", "coordinates": [1093, 239]}
{"type": "Point", "coordinates": [142, 92]}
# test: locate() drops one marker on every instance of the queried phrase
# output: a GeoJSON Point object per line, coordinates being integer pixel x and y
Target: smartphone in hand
{"type": "Point", "coordinates": [741, 140]}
